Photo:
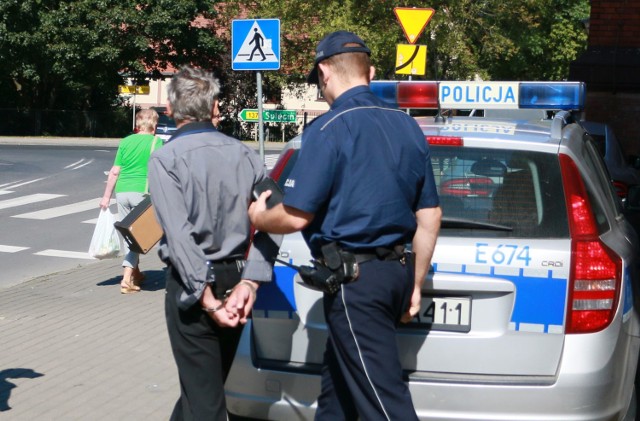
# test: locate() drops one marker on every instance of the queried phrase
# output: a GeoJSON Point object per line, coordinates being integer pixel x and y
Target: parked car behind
{"type": "Point", "coordinates": [624, 170]}
{"type": "Point", "coordinates": [166, 125]}
{"type": "Point", "coordinates": [528, 312]}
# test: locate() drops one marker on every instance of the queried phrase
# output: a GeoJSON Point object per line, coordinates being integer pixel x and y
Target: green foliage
{"type": "Point", "coordinates": [466, 39]}
{"type": "Point", "coordinates": [72, 54]}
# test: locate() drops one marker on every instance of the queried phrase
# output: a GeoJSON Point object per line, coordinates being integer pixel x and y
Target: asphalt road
{"type": "Point", "coordinates": [50, 191]}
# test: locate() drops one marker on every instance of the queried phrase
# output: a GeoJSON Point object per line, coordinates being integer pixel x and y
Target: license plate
{"type": "Point", "coordinates": [444, 313]}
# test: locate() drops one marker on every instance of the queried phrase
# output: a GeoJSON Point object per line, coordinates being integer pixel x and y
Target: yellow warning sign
{"type": "Point", "coordinates": [411, 59]}
{"type": "Point", "coordinates": [413, 21]}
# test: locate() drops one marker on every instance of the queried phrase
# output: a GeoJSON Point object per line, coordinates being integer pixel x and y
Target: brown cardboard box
{"type": "Point", "coordinates": [140, 228]}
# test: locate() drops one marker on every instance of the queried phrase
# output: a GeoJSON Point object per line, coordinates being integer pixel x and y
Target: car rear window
{"type": "Point", "coordinates": [501, 193]}
{"type": "Point", "coordinates": [165, 120]}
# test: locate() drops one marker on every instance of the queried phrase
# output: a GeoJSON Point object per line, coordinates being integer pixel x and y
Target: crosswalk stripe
{"type": "Point", "coordinates": [62, 210]}
{"type": "Point", "coordinates": [64, 253]}
{"type": "Point", "coordinates": [5, 192]}
{"type": "Point", "coordinates": [94, 221]}
{"type": "Point", "coordinates": [25, 200]}
{"type": "Point", "coordinates": [11, 249]}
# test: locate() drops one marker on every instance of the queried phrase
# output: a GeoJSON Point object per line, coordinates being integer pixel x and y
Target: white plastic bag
{"type": "Point", "coordinates": [105, 242]}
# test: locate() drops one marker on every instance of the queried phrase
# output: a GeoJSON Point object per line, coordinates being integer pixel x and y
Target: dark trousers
{"type": "Point", "coordinates": [203, 351]}
{"type": "Point", "coordinates": [361, 374]}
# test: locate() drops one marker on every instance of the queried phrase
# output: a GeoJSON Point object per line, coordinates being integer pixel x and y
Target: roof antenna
{"type": "Point", "coordinates": [439, 118]}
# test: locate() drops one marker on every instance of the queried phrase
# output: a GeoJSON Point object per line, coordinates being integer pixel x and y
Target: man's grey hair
{"type": "Point", "coordinates": [191, 93]}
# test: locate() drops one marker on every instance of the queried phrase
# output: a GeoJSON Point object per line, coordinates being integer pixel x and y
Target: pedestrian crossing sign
{"type": "Point", "coordinates": [255, 44]}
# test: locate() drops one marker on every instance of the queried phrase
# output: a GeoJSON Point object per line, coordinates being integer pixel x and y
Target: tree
{"type": "Point", "coordinates": [74, 53]}
{"type": "Point", "coordinates": [466, 39]}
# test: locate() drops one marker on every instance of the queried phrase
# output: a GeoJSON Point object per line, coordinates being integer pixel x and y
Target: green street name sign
{"type": "Point", "coordinates": [250, 115]}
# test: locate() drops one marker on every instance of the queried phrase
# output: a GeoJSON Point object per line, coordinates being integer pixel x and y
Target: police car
{"type": "Point", "coordinates": [529, 311]}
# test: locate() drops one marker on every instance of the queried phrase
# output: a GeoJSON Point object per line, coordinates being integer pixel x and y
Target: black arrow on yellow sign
{"type": "Point", "coordinates": [408, 62]}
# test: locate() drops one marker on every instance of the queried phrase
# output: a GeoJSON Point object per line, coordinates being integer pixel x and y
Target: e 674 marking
{"type": "Point", "coordinates": [502, 254]}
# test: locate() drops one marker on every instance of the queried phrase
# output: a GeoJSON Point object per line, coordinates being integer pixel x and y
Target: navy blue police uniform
{"type": "Point", "coordinates": [364, 169]}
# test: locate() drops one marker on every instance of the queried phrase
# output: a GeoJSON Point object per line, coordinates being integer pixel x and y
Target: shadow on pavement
{"type": "Point", "coordinates": [6, 386]}
{"type": "Point", "coordinates": [154, 280]}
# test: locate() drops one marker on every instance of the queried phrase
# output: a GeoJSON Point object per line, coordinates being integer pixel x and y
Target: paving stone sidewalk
{"type": "Point", "coordinates": [73, 348]}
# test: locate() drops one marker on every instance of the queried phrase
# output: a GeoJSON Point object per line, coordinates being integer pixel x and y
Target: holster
{"type": "Point", "coordinates": [337, 267]}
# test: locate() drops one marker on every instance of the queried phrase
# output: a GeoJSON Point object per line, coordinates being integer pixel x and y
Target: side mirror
{"type": "Point", "coordinates": [633, 199]}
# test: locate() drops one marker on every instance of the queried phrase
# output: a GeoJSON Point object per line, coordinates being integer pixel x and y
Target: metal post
{"type": "Point", "coordinates": [134, 112]}
{"type": "Point", "coordinates": [260, 119]}
{"type": "Point", "coordinates": [408, 110]}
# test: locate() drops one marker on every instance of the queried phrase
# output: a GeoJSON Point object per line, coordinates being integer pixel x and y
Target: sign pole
{"type": "Point", "coordinates": [134, 112]}
{"type": "Point", "coordinates": [260, 117]}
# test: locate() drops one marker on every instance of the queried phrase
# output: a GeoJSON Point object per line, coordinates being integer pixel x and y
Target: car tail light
{"type": "Point", "coordinates": [444, 140]}
{"type": "Point", "coordinates": [277, 169]}
{"type": "Point", "coordinates": [596, 271]}
{"type": "Point", "coordinates": [472, 186]}
{"type": "Point", "coordinates": [456, 187]}
{"type": "Point", "coordinates": [621, 188]}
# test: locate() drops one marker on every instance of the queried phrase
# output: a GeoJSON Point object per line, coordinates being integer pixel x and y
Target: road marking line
{"type": "Point", "coordinates": [5, 192]}
{"type": "Point", "coordinates": [8, 184]}
{"type": "Point", "coordinates": [64, 253]}
{"type": "Point", "coordinates": [75, 163]}
{"type": "Point", "coordinates": [19, 184]}
{"type": "Point", "coordinates": [62, 210]}
{"type": "Point", "coordinates": [83, 165]}
{"type": "Point", "coordinates": [11, 249]}
{"type": "Point", "coordinates": [94, 221]}
{"type": "Point", "coordinates": [25, 200]}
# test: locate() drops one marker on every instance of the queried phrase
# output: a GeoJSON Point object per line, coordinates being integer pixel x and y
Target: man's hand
{"type": "Point", "coordinates": [258, 206]}
{"type": "Point", "coordinates": [223, 318]}
{"type": "Point", "coordinates": [240, 302]}
{"type": "Point", "coordinates": [414, 306]}
{"type": "Point", "coordinates": [216, 309]}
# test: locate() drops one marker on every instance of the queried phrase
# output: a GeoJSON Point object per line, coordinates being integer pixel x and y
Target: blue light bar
{"type": "Point", "coordinates": [481, 95]}
{"type": "Point", "coordinates": [552, 95]}
{"type": "Point", "coordinates": [386, 90]}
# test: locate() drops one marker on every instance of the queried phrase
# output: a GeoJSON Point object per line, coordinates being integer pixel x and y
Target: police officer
{"type": "Point", "coordinates": [363, 183]}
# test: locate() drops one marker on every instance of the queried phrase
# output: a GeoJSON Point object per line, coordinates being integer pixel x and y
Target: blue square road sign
{"type": "Point", "coordinates": [255, 44]}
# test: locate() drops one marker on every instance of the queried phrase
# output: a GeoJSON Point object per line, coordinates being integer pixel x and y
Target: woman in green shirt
{"type": "Point", "coordinates": [128, 178]}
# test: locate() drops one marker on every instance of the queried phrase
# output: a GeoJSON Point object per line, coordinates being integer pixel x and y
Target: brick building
{"type": "Point", "coordinates": [611, 69]}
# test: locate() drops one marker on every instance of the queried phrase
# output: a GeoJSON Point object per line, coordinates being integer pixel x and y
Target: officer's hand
{"type": "Point", "coordinates": [240, 302]}
{"type": "Point", "coordinates": [414, 307]}
{"type": "Point", "coordinates": [258, 206]}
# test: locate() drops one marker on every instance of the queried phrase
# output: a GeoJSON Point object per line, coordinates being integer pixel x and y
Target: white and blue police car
{"type": "Point", "coordinates": [529, 312]}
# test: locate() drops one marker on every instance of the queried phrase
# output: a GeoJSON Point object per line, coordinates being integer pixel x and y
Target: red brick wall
{"type": "Point", "coordinates": [614, 23]}
{"type": "Point", "coordinates": [622, 112]}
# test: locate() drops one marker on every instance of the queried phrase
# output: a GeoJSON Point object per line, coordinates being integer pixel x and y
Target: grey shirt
{"type": "Point", "coordinates": [201, 185]}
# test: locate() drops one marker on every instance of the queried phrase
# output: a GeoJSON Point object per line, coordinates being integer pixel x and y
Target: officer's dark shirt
{"type": "Point", "coordinates": [364, 169]}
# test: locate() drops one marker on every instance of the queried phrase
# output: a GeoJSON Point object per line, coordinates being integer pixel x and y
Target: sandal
{"type": "Point", "coordinates": [128, 288]}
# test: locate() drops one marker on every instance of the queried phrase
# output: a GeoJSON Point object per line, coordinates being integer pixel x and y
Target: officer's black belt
{"type": "Point", "coordinates": [379, 253]}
